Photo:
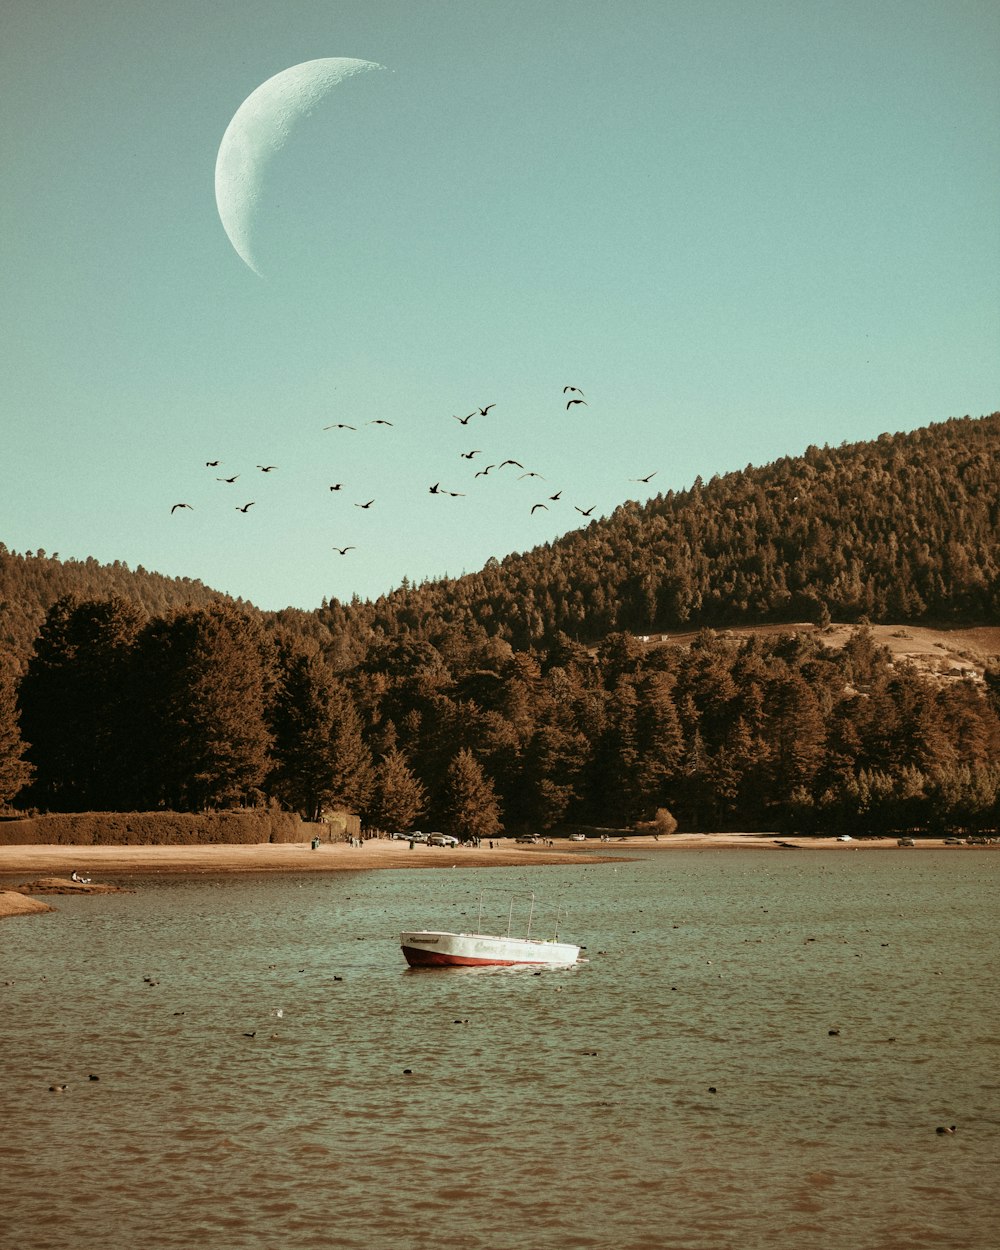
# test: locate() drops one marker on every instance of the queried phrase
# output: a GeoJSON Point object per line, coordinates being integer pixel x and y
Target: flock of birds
{"type": "Point", "coordinates": [572, 396]}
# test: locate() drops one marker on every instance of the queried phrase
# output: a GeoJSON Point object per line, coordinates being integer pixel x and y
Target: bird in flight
{"type": "Point", "coordinates": [464, 420]}
{"type": "Point", "coordinates": [646, 478]}
{"type": "Point", "coordinates": [340, 426]}
{"type": "Point", "coordinates": [266, 468]}
{"type": "Point", "coordinates": [539, 505]}
{"type": "Point", "coordinates": [586, 512]}
{"type": "Point", "coordinates": [555, 496]}
{"type": "Point", "coordinates": [483, 472]}
{"type": "Point", "coordinates": [365, 505]}
{"type": "Point", "coordinates": [246, 507]}
{"type": "Point", "coordinates": [212, 464]}
{"type": "Point", "coordinates": [180, 505]}
{"type": "Point", "coordinates": [575, 389]}
{"type": "Point", "coordinates": [379, 421]}
{"type": "Point", "coordinates": [338, 486]}
{"type": "Point", "coordinates": [530, 473]}
{"type": "Point", "coordinates": [436, 489]}
{"type": "Point", "coordinates": [456, 494]}
{"type": "Point", "coordinates": [467, 455]}
{"type": "Point", "coordinates": [228, 479]}
{"type": "Point", "coordinates": [344, 550]}
{"type": "Point", "coordinates": [484, 411]}
{"type": "Point", "coordinates": [517, 462]}
{"type": "Point", "coordinates": [571, 402]}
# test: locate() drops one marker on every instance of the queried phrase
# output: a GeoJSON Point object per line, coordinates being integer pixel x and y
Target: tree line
{"type": "Point", "coordinates": [201, 709]}
{"type": "Point", "coordinates": [904, 528]}
{"type": "Point", "coordinates": [32, 581]}
{"type": "Point", "coordinates": [205, 707]}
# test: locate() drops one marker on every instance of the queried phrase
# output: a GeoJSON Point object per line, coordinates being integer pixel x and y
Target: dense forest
{"type": "Point", "coordinates": [902, 529]}
{"type": "Point", "coordinates": [31, 583]}
{"type": "Point", "coordinates": [205, 708]}
{"type": "Point", "coordinates": [905, 528]}
{"type": "Point", "coordinates": [520, 697]}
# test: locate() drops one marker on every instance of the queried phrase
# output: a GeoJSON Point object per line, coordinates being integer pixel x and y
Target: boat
{"type": "Point", "coordinates": [429, 948]}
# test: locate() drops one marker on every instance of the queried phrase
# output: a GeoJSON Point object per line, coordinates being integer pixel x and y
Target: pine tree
{"type": "Point", "coordinates": [696, 795]}
{"type": "Point", "coordinates": [916, 731]}
{"type": "Point", "coordinates": [354, 773]}
{"type": "Point", "coordinates": [552, 777]}
{"type": "Point", "coordinates": [659, 739]}
{"type": "Point", "coordinates": [863, 659]}
{"type": "Point", "coordinates": [209, 683]}
{"type": "Point", "coordinates": [15, 771]}
{"type": "Point", "coordinates": [706, 681]}
{"type": "Point", "coordinates": [617, 776]}
{"type": "Point", "coordinates": [991, 681]}
{"type": "Point", "coordinates": [968, 723]}
{"type": "Point", "coordinates": [619, 655]}
{"type": "Point", "coordinates": [77, 705]}
{"type": "Point", "coordinates": [796, 736]}
{"type": "Point", "coordinates": [739, 777]}
{"type": "Point", "coordinates": [319, 755]}
{"type": "Point", "coordinates": [398, 799]}
{"type": "Point", "coordinates": [470, 800]}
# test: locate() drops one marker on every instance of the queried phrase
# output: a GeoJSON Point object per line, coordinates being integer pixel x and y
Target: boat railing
{"type": "Point", "coordinates": [490, 889]}
{"type": "Point", "coordinates": [523, 894]}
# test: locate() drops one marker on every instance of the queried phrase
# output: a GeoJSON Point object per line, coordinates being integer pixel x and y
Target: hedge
{"type": "Point", "coordinates": [156, 828]}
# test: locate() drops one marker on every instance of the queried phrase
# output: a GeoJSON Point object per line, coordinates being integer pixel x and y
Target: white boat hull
{"type": "Point", "coordinates": [427, 949]}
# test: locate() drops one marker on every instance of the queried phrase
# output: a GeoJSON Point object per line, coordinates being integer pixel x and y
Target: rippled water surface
{"type": "Point", "coordinates": [756, 1054]}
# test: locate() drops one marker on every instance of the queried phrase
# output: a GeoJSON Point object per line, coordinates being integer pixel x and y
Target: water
{"type": "Point", "coordinates": [563, 1109]}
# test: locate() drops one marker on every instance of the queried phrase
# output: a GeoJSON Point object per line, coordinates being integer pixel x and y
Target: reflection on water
{"type": "Point", "coordinates": [757, 1052]}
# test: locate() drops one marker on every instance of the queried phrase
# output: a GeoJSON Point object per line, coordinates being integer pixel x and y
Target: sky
{"type": "Point", "coordinates": [738, 227]}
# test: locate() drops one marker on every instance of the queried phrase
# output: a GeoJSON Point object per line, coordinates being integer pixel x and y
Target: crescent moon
{"type": "Point", "coordinates": [260, 128]}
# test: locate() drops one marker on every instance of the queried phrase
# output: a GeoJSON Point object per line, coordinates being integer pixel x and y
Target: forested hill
{"type": "Point", "coordinates": [31, 583]}
{"type": "Point", "coordinates": [905, 528]}
{"type": "Point", "coordinates": [479, 702]}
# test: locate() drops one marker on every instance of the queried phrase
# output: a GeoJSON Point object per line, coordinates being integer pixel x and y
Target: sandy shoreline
{"type": "Point", "coordinates": [102, 862]}
{"type": "Point", "coordinates": [96, 861]}
{"type": "Point", "coordinates": [341, 857]}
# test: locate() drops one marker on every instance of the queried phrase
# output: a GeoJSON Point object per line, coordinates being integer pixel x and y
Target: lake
{"type": "Point", "coordinates": [756, 1053]}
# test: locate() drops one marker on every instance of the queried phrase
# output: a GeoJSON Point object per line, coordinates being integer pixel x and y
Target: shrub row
{"type": "Point", "coordinates": [154, 828]}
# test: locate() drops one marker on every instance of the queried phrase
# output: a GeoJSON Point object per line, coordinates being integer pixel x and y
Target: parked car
{"type": "Point", "coordinates": [526, 837]}
{"type": "Point", "coordinates": [441, 839]}
{"type": "Point", "coordinates": [578, 837]}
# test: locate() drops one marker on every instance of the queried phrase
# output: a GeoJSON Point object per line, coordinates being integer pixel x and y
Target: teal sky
{"type": "Point", "coordinates": [740, 228]}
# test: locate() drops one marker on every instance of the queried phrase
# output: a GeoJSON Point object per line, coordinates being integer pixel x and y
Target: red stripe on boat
{"type": "Point", "coordinates": [418, 958]}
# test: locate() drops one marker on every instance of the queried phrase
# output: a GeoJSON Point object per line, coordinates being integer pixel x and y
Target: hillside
{"type": "Point", "coordinates": [901, 530]}
{"type": "Point", "coordinates": [942, 656]}
{"type": "Point", "coordinates": [31, 583]}
{"type": "Point", "coordinates": [905, 528]}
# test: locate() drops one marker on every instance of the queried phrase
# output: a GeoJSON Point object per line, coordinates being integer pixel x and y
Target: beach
{"type": "Point", "coordinates": [375, 853]}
